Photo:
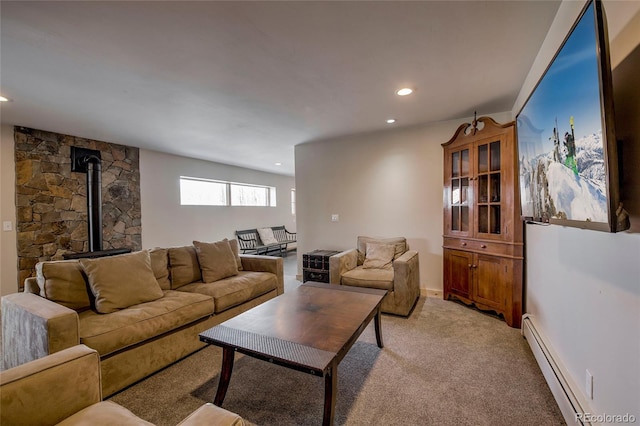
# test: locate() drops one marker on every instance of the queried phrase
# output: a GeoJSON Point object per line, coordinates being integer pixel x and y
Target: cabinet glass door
{"type": "Point", "coordinates": [459, 202]}
{"type": "Point", "coordinates": [489, 188]}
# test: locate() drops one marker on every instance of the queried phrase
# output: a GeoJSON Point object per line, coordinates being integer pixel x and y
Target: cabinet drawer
{"type": "Point", "coordinates": [317, 276]}
{"type": "Point", "coordinates": [489, 247]}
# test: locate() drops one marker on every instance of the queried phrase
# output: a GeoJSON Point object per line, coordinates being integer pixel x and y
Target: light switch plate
{"type": "Point", "coordinates": [335, 218]}
{"type": "Point", "coordinates": [7, 225]}
{"type": "Point", "coordinates": [588, 384]}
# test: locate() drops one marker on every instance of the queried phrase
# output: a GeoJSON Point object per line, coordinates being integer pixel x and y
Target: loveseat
{"type": "Point", "coordinates": [382, 263]}
{"type": "Point", "coordinates": [64, 388]}
{"type": "Point", "coordinates": [140, 311]}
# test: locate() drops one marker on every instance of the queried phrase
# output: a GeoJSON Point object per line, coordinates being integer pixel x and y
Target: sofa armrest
{"type": "Point", "coordinates": [341, 263]}
{"type": "Point", "coordinates": [211, 415]}
{"type": "Point", "coordinates": [259, 263]}
{"type": "Point", "coordinates": [31, 286]}
{"type": "Point", "coordinates": [406, 276]}
{"type": "Point", "coordinates": [33, 327]}
{"type": "Point", "coordinates": [71, 377]}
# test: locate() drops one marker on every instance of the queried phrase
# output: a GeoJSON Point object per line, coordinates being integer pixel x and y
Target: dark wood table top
{"type": "Point", "coordinates": [306, 329]}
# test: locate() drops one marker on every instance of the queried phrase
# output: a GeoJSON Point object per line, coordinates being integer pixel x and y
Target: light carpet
{"type": "Point", "coordinates": [445, 365]}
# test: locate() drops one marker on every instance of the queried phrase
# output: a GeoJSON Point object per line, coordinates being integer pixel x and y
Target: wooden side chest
{"type": "Point", "coordinates": [315, 265]}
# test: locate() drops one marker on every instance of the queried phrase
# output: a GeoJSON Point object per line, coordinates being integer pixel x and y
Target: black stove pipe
{"type": "Point", "coordinates": [94, 201]}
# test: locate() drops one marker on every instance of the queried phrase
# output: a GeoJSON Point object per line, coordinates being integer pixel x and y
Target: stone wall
{"type": "Point", "coordinates": [51, 200]}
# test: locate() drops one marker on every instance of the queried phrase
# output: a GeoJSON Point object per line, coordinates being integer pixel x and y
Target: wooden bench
{"type": "Point", "coordinates": [250, 242]}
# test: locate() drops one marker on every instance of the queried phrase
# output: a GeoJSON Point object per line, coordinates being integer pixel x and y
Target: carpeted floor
{"type": "Point", "coordinates": [445, 365]}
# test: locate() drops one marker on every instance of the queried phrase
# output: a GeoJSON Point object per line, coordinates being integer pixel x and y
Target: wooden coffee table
{"type": "Point", "coordinates": [310, 329]}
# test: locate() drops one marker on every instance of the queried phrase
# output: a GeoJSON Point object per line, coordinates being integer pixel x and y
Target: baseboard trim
{"type": "Point", "coordinates": [430, 292]}
{"type": "Point", "coordinates": [565, 392]}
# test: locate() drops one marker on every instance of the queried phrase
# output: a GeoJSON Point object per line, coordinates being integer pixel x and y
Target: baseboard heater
{"type": "Point", "coordinates": [554, 373]}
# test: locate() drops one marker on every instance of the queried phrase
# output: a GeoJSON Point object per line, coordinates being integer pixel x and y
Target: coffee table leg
{"type": "Point", "coordinates": [225, 375]}
{"type": "Point", "coordinates": [330, 390]}
{"type": "Point", "coordinates": [377, 323]}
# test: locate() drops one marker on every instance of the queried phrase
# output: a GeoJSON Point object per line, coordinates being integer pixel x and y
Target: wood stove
{"type": "Point", "coordinates": [89, 161]}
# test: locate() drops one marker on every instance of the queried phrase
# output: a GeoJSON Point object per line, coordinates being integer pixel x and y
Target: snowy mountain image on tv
{"type": "Point", "coordinates": [557, 185]}
{"type": "Point", "coordinates": [561, 149]}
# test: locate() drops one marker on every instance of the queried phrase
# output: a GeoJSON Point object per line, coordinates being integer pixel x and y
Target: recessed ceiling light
{"type": "Point", "coordinates": [404, 91]}
{"type": "Point", "coordinates": [391, 120]}
{"type": "Point", "coordinates": [278, 164]}
{"type": "Point", "coordinates": [3, 99]}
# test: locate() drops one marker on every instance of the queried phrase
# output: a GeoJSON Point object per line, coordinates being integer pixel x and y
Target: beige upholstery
{"type": "Point", "coordinates": [402, 280]}
{"type": "Point", "coordinates": [141, 339]}
{"type": "Point", "coordinates": [209, 414]}
{"type": "Point", "coordinates": [64, 388]}
{"type": "Point", "coordinates": [118, 282]}
{"type": "Point", "coordinates": [128, 327]}
{"type": "Point", "coordinates": [233, 291]}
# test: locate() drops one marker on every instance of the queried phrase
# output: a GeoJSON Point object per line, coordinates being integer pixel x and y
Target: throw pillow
{"type": "Point", "coordinates": [118, 282]}
{"type": "Point", "coordinates": [185, 268]}
{"type": "Point", "coordinates": [217, 260]}
{"type": "Point", "coordinates": [400, 244]}
{"type": "Point", "coordinates": [379, 256]}
{"type": "Point", "coordinates": [63, 282]}
{"type": "Point", "coordinates": [267, 237]}
{"type": "Point", "coordinates": [235, 248]}
{"type": "Point", "coordinates": [160, 266]}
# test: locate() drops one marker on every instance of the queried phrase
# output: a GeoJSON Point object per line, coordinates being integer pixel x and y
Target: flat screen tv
{"type": "Point", "coordinates": [567, 152]}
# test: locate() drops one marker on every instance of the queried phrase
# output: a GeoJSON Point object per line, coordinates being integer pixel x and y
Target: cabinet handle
{"type": "Point", "coordinates": [470, 265]}
{"type": "Point", "coordinates": [474, 266]}
{"type": "Point", "coordinates": [463, 244]}
{"type": "Point", "coordinates": [483, 246]}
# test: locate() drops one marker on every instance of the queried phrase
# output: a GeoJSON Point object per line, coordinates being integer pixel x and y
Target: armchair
{"type": "Point", "coordinates": [64, 388]}
{"type": "Point", "coordinates": [400, 276]}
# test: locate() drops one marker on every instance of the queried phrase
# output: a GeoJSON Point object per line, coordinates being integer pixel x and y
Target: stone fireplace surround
{"type": "Point", "coordinates": [51, 200]}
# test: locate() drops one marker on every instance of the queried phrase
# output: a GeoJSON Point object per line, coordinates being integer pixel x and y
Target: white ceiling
{"type": "Point", "coordinates": [243, 82]}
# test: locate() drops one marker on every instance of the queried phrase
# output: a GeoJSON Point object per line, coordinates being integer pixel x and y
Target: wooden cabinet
{"type": "Point", "coordinates": [483, 233]}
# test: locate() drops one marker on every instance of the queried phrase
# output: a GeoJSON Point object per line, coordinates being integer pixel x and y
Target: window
{"type": "Point", "coordinates": [200, 192]}
{"type": "Point", "coordinates": [245, 195]}
{"type": "Point", "coordinates": [205, 192]}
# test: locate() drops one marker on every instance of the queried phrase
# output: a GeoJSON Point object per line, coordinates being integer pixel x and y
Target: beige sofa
{"type": "Point", "coordinates": [383, 263]}
{"type": "Point", "coordinates": [137, 324]}
{"type": "Point", "coordinates": [64, 388]}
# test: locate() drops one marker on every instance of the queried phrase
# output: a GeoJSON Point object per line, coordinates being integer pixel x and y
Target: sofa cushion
{"type": "Point", "coordinates": [209, 414]}
{"type": "Point", "coordinates": [400, 244]}
{"type": "Point", "coordinates": [118, 282]}
{"type": "Point", "coordinates": [160, 266]}
{"type": "Point", "coordinates": [105, 413]}
{"type": "Point", "coordinates": [235, 248]}
{"type": "Point", "coordinates": [371, 278]}
{"type": "Point", "coordinates": [63, 282]}
{"type": "Point", "coordinates": [127, 327]}
{"type": "Point", "coordinates": [217, 261]}
{"type": "Point", "coordinates": [379, 256]}
{"type": "Point", "coordinates": [233, 291]}
{"type": "Point", "coordinates": [185, 268]}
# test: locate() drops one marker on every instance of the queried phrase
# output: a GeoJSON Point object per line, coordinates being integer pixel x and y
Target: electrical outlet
{"type": "Point", "coordinates": [588, 384]}
{"type": "Point", "coordinates": [335, 218]}
{"type": "Point", "coordinates": [7, 225]}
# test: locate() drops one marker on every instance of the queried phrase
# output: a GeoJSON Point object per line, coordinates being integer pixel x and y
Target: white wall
{"type": "Point", "coordinates": [583, 287]}
{"type": "Point", "coordinates": [380, 184]}
{"type": "Point", "coordinates": [8, 249]}
{"type": "Point", "coordinates": [166, 223]}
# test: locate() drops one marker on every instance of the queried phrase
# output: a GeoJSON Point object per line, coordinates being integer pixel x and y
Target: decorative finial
{"type": "Point", "coordinates": [475, 122]}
